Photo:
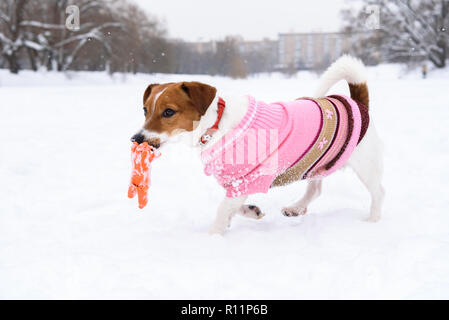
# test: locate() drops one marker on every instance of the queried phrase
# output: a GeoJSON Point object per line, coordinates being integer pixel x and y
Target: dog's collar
{"type": "Point", "coordinates": [207, 136]}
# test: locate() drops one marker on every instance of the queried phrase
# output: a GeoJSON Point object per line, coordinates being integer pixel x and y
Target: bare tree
{"type": "Point", "coordinates": [11, 35]}
{"type": "Point", "coordinates": [260, 56]}
{"type": "Point", "coordinates": [37, 28]}
{"type": "Point", "coordinates": [410, 29]}
{"type": "Point", "coordinates": [64, 46]}
{"type": "Point", "coordinates": [228, 60]}
{"type": "Point", "coordinates": [143, 36]}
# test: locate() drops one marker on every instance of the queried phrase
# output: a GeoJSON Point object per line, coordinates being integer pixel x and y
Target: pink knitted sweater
{"type": "Point", "coordinates": [309, 138]}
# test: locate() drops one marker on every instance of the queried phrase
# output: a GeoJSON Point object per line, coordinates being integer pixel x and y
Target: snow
{"type": "Point", "coordinates": [68, 230]}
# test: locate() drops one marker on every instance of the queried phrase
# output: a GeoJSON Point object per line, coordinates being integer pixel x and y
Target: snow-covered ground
{"type": "Point", "coordinates": [68, 230]}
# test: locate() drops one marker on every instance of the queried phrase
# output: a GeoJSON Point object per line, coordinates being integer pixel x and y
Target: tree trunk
{"type": "Point", "coordinates": [13, 64]}
{"type": "Point", "coordinates": [32, 58]}
{"type": "Point", "coordinates": [444, 38]}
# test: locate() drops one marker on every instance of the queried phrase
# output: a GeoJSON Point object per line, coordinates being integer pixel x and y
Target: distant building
{"type": "Point", "coordinates": [260, 56]}
{"type": "Point", "coordinates": [292, 51]}
{"type": "Point", "coordinates": [267, 46]}
{"type": "Point", "coordinates": [203, 47]}
{"type": "Point", "coordinates": [315, 50]}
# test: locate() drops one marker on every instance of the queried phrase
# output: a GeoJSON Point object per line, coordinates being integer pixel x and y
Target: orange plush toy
{"type": "Point", "coordinates": [142, 155]}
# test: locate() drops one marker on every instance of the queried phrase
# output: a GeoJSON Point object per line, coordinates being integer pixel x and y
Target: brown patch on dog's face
{"type": "Point", "coordinates": [174, 107]}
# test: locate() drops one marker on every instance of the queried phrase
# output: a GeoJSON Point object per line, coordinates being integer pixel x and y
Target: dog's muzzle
{"type": "Point", "coordinates": [140, 138]}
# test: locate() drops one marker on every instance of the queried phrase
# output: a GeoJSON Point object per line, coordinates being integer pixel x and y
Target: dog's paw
{"type": "Point", "coordinates": [251, 211]}
{"type": "Point", "coordinates": [294, 211]}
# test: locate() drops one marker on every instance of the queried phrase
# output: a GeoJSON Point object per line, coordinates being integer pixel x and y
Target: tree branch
{"type": "Point", "coordinates": [4, 17]}
{"type": "Point", "coordinates": [91, 34]}
{"type": "Point", "coordinates": [41, 25]}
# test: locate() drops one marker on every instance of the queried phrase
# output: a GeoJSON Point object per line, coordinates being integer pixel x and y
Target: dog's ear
{"type": "Point", "coordinates": [201, 94]}
{"type": "Point", "coordinates": [148, 91]}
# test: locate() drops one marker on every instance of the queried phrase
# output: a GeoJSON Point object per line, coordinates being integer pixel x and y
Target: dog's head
{"type": "Point", "coordinates": [172, 108]}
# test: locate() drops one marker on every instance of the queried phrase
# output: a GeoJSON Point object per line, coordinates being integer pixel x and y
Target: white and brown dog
{"type": "Point", "coordinates": [186, 107]}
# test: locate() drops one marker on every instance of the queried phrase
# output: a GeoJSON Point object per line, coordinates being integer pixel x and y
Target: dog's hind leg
{"type": "Point", "coordinates": [227, 208]}
{"type": "Point", "coordinates": [299, 208]}
{"type": "Point", "coordinates": [367, 162]}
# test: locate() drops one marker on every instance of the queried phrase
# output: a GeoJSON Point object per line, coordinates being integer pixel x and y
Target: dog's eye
{"type": "Point", "coordinates": [168, 113]}
{"type": "Point", "coordinates": [145, 111]}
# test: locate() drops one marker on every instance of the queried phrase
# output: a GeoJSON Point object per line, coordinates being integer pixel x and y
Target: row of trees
{"type": "Point", "coordinates": [114, 35]}
{"type": "Point", "coordinates": [408, 30]}
{"type": "Point", "coordinates": [230, 57]}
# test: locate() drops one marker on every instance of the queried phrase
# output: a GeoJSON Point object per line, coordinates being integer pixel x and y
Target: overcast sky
{"type": "Point", "coordinates": [213, 19]}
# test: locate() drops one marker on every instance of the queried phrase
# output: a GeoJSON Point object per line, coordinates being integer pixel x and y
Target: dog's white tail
{"type": "Point", "coordinates": [350, 69]}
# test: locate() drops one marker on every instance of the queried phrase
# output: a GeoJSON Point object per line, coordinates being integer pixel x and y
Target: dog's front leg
{"type": "Point", "coordinates": [228, 207]}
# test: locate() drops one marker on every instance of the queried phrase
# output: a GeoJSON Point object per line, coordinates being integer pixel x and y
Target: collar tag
{"type": "Point", "coordinates": [207, 136]}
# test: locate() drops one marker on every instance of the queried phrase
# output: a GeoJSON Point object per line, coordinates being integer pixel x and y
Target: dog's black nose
{"type": "Point", "coordinates": [138, 137]}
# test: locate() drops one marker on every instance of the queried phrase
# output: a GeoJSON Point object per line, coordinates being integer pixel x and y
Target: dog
{"type": "Point", "coordinates": [195, 110]}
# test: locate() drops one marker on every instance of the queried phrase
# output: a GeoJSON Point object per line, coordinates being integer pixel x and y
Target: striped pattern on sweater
{"type": "Point", "coordinates": [278, 143]}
